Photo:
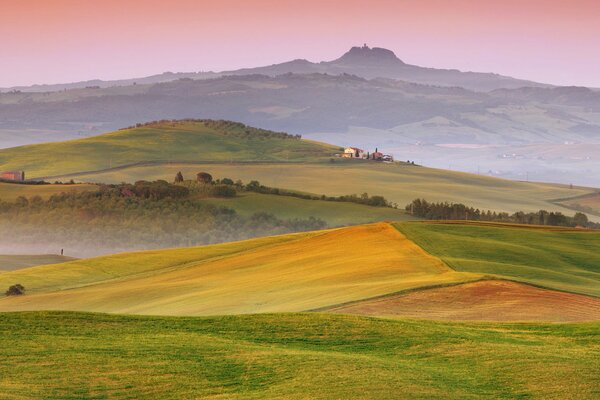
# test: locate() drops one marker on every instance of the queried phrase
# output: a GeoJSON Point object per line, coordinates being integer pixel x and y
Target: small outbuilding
{"type": "Point", "coordinates": [15, 176]}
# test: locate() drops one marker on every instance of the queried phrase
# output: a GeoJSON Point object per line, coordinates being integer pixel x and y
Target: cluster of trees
{"type": "Point", "coordinates": [457, 211]}
{"type": "Point", "coordinates": [119, 218]}
{"type": "Point", "coordinates": [228, 128]}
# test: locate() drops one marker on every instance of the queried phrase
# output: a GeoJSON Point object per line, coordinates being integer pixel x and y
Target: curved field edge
{"type": "Point", "coordinates": [482, 300]}
{"type": "Point", "coordinates": [292, 356]}
{"type": "Point", "coordinates": [282, 274]}
{"type": "Point", "coordinates": [560, 259]}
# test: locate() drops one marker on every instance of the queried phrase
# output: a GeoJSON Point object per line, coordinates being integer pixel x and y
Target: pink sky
{"type": "Point", "coordinates": [51, 41]}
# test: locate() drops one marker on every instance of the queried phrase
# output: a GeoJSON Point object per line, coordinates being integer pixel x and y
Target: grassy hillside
{"type": "Point", "coordinates": [291, 356]}
{"type": "Point", "coordinates": [399, 183]}
{"type": "Point", "coordinates": [177, 141]}
{"type": "Point", "coordinates": [333, 212]}
{"type": "Point", "coordinates": [282, 273]}
{"type": "Point", "coordinates": [557, 258]}
{"type": "Point", "coordinates": [10, 191]}
{"type": "Point", "coordinates": [10, 262]}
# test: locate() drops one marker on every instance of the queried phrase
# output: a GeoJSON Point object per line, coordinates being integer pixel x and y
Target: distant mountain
{"type": "Point", "coordinates": [376, 62]}
{"type": "Point", "coordinates": [362, 61]}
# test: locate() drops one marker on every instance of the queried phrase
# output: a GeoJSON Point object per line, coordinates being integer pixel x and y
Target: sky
{"type": "Point", "coordinates": [54, 41]}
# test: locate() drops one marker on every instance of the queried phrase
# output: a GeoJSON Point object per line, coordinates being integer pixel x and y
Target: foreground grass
{"type": "Point", "coordinates": [559, 259]}
{"type": "Point", "coordinates": [291, 356]}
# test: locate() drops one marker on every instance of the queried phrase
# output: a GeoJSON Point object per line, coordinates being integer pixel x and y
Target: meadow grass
{"type": "Point", "coordinates": [560, 259]}
{"type": "Point", "coordinates": [58, 355]}
{"type": "Point", "coordinates": [399, 183]}
{"type": "Point", "coordinates": [277, 274]}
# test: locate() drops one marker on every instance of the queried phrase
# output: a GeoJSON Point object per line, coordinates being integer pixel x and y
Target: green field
{"type": "Point", "coordinates": [182, 141]}
{"type": "Point", "coordinates": [10, 262]}
{"type": "Point", "coordinates": [10, 191]}
{"type": "Point", "coordinates": [335, 213]}
{"type": "Point", "coordinates": [399, 183]}
{"type": "Point", "coordinates": [292, 356]}
{"type": "Point", "coordinates": [560, 259]}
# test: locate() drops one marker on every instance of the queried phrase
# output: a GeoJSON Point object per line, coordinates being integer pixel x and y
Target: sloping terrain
{"type": "Point", "coordinates": [399, 183]}
{"type": "Point", "coordinates": [278, 274]}
{"type": "Point", "coordinates": [178, 141]}
{"type": "Point", "coordinates": [291, 356]}
{"type": "Point", "coordinates": [12, 262]}
{"type": "Point", "coordinates": [488, 300]}
{"type": "Point", "coordinates": [563, 259]}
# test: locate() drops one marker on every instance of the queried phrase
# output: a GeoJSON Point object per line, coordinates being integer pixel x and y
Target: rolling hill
{"type": "Point", "coordinates": [226, 149]}
{"type": "Point", "coordinates": [347, 269]}
{"type": "Point", "coordinates": [277, 274]}
{"type": "Point", "coordinates": [62, 355]}
{"type": "Point", "coordinates": [399, 183]}
{"type": "Point", "coordinates": [162, 142]}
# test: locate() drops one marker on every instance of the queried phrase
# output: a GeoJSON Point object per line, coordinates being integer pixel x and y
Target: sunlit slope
{"type": "Point", "coordinates": [399, 183]}
{"type": "Point", "coordinates": [551, 257]}
{"type": "Point", "coordinates": [291, 356]}
{"type": "Point", "coordinates": [166, 142]}
{"type": "Point", "coordinates": [11, 191]}
{"type": "Point", "coordinates": [279, 274]}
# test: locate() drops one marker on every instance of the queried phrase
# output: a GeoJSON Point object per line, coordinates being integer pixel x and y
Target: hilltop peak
{"type": "Point", "coordinates": [368, 55]}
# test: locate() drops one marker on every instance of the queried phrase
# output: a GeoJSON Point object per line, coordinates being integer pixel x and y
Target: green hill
{"type": "Point", "coordinates": [61, 355]}
{"type": "Point", "coordinates": [551, 257]}
{"type": "Point", "coordinates": [181, 141]}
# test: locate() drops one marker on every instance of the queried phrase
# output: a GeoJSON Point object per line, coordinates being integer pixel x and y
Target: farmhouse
{"type": "Point", "coordinates": [16, 176]}
{"type": "Point", "coordinates": [353, 152]}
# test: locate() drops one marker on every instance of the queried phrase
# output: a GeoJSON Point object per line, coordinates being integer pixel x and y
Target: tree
{"type": "Point", "coordinates": [204, 177]}
{"type": "Point", "coordinates": [15, 290]}
{"type": "Point", "coordinates": [179, 177]}
{"type": "Point", "coordinates": [580, 219]}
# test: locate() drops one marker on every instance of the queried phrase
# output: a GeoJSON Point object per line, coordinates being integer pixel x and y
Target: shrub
{"type": "Point", "coordinates": [223, 191]}
{"type": "Point", "coordinates": [204, 177]}
{"type": "Point", "coordinates": [15, 290]}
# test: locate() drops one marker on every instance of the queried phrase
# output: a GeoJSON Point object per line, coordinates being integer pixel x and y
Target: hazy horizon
{"type": "Point", "coordinates": [47, 42]}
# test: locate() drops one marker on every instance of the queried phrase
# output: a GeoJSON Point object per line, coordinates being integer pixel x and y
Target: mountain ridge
{"type": "Point", "coordinates": [366, 62]}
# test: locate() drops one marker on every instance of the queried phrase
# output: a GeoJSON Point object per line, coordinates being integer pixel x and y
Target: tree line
{"type": "Point", "coordinates": [457, 211]}
{"type": "Point", "coordinates": [125, 217]}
